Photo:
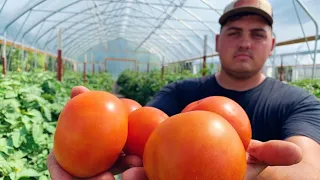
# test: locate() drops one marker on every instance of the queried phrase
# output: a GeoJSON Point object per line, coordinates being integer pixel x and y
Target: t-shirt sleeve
{"type": "Point", "coordinates": [166, 99]}
{"type": "Point", "coordinates": [304, 117]}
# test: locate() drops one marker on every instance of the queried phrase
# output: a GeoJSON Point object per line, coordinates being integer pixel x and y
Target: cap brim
{"type": "Point", "coordinates": [233, 12]}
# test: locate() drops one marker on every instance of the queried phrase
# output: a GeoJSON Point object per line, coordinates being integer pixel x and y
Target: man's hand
{"type": "Point", "coordinates": [260, 155]}
{"type": "Point", "coordinates": [123, 163]}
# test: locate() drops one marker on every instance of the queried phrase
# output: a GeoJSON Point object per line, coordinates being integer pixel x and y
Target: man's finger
{"type": "Point", "coordinates": [56, 172]}
{"type": "Point", "coordinates": [78, 90]}
{"type": "Point", "coordinates": [103, 176]}
{"type": "Point", "coordinates": [126, 162]}
{"type": "Point", "coordinates": [275, 152]}
{"type": "Point", "coordinates": [136, 173]}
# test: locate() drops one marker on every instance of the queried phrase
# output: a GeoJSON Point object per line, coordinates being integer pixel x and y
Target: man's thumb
{"type": "Point", "coordinates": [275, 152]}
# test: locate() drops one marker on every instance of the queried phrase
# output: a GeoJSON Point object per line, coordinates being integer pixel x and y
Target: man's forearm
{"type": "Point", "coordinates": [294, 172]}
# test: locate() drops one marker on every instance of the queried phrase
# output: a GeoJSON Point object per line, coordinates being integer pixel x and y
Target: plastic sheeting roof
{"type": "Point", "coordinates": [173, 29]}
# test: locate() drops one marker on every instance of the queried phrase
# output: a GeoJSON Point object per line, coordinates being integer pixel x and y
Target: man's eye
{"type": "Point", "coordinates": [233, 34]}
{"type": "Point", "coordinates": [259, 35]}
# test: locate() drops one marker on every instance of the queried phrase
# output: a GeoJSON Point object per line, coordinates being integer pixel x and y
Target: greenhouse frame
{"type": "Point", "coordinates": [131, 33]}
{"type": "Point", "coordinates": [128, 50]}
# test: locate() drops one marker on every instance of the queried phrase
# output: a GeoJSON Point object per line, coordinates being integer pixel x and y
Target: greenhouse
{"type": "Point", "coordinates": [131, 48]}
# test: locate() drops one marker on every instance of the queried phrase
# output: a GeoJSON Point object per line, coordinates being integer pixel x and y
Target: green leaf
{"type": "Point", "coordinates": [10, 94]}
{"type": "Point", "coordinates": [10, 104]}
{"type": "Point", "coordinates": [27, 173]}
{"type": "Point", "coordinates": [37, 132]}
{"type": "Point", "coordinates": [43, 177]}
{"type": "Point", "coordinates": [36, 115]}
{"type": "Point", "coordinates": [16, 139]}
{"type": "Point", "coordinates": [48, 127]}
{"type": "Point", "coordinates": [47, 113]}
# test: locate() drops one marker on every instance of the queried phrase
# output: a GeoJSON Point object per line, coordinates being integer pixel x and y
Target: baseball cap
{"type": "Point", "coordinates": [260, 7]}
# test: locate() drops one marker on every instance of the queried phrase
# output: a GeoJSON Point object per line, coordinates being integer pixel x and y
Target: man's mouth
{"type": "Point", "coordinates": [242, 56]}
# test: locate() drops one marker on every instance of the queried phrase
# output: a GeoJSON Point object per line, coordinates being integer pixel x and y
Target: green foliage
{"type": "Point", "coordinates": [97, 81]}
{"type": "Point", "coordinates": [29, 109]}
{"type": "Point", "coordinates": [311, 85]}
{"type": "Point", "coordinates": [142, 86]}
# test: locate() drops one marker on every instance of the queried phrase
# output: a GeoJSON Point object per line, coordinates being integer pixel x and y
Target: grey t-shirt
{"type": "Point", "coordinates": [276, 110]}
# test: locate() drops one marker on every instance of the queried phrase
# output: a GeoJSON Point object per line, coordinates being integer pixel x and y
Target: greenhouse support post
{"type": "Point", "coordinates": [92, 63]}
{"type": "Point", "coordinates": [162, 69]}
{"type": "Point", "coordinates": [105, 66]}
{"type": "Point", "coordinates": [84, 69]}
{"type": "Point", "coordinates": [4, 56]}
{"type": "Point", "coordinates": [59, 61]}
{"type": "Point", "coordinates": [204, 56]}
{"type": "Point", "coordinates": [316, 36]}
{"type": "Point", "coordinates": [59, 58]}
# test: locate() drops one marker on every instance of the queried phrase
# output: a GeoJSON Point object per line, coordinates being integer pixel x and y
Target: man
{"type": "Point", "coordinates": [285, 120]}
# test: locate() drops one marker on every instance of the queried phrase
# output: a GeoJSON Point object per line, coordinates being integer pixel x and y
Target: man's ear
{"type": "Point", "coordinates": [273, 46]}
{"type": "Point", "coordinates": [217, 42]}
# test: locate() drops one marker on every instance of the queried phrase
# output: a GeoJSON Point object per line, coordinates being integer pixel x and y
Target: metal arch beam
{"type": "Point", "coordinates": [51, 14]}
{"type": "Point", "coordinates": [179, 19]}
{"type": "Point", "coordinates": [142, 21]}
{"type": "Point", "coordinates": [145, 22]}
{"type": "Point", "coordinates": [92, 35]}
{"type": "Point", "coordinates": [185, 26]}
{"type": "Point", "coordinates": [94, 42]}
{"type": "Point", "coordinates": [199, 20]}
{"type": "Point", "coordinates": [172, 28]}
{"type": "Point", "coordinates": [79, 22]}
{"type": "Point", "coordinates": [60, 22]}
{"type": "Point", "coordinates": [5, 2]}
{"type": "Point", "coordinates": [96, 39]}
{"type": "Point", "coordinates": [168, 15]}
{"type": "Point", "coordinates": [210, 6]}
{"type": "Point", "coordinates": [196, 47]}
{"type": "Point", "coordinates": [171, 36]}
{"type": "Point", "coordinates": [102, 24]}
{"type": "Point", "coordinates": [78, 53]}
{"type": "Point", "coordinates": [20, 15]}
{"type": "Point", "coordinates": [85, 33]}
{"type": "Point", "coordinates": [68, 40]}
{"type": "Point", "coordinates": [158, 4]}
{"type": "Point", "coordinates": [89, 45]}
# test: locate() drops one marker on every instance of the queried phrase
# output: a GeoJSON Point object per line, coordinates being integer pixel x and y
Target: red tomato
{"type": "Point", "coordinates": [90, 134]}
{"type": "Point", "coordinates": [130, 104]}
{"type": "Point", "coordinates": [231, 111]}
{"type": "Point", "coordinates": [194, 145]}
{"type": "Point", "coordinates": [142, 123]}
{"type": "Point", "coordinates": [190, 106]}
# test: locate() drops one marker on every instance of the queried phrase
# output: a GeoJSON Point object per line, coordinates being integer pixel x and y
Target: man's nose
{"type": "Point", "coordinates": [245, 42]}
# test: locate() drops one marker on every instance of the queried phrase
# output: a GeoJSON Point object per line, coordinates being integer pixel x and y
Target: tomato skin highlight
{"type": "Point", "coordinates": [91, 132]}
{"type": "Point", "coordinates": [194, 145]}
{"type": "Point", "coordinates": [142, 123]}
{"type": "Point", "coordinates": [229, 110]}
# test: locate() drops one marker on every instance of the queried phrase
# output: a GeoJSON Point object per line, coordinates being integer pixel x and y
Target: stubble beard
{"type": "Point", "coordinates": [239, 75]}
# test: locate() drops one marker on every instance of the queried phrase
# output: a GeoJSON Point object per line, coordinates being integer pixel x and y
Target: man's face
{"type": "Point", "coordinates": [244, 45]}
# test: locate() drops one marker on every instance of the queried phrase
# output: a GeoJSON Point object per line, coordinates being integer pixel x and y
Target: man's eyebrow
{"type": "Point", "coordinates": [233, 28]}
{"type": "Point", "coordinates": [258, 29]}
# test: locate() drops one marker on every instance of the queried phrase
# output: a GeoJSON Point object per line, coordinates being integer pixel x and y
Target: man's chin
{"type": "Point", "coordinates": [241, 74]}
